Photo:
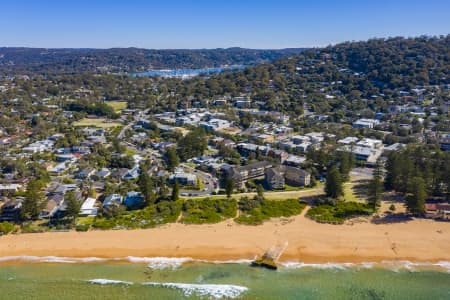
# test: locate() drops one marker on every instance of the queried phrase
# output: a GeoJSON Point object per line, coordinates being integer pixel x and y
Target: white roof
{"type": "Point", "coordinates": [88, 204]}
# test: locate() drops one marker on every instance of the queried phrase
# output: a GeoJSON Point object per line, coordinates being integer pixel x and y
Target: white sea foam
{"type": "Point", "coordinates": [162, 263]}
{"type": "Point", "coordinates": [235, 261]}
{"type": "Point", "coordinates": [103, 281]}
{"type": "Point", "coordinates": [395, 266]}
{"type": "Point", "coordinates": [52, 259]}
{"type": "Point", "coordinates": [298, 265]}
{"type": "Point", "coordinates": [444, 265]}
{"type": "Point", "coordinates": [216, 291]}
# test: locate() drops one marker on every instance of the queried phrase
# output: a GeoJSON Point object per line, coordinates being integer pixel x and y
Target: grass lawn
{"type": "Point", "coordinates": [280, 195]}
{"type": "Point", "coordinates": [130, 152]}
{"type": "Point", "coordinates": [100, 122]}
{"type": "Point", "coordinates": [355, 191]}
{"type": "Point", "coordinates": [290, 188]}
{"type": "Point", "coordinates": [117, 105]}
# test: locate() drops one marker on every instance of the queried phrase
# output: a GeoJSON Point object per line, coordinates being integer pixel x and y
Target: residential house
{"type": "Point", "coordinates": [294, 160]}
{"type": "Point", "coordinates": [88, 208]}
{"type": "Point", "coordinates": [299, 139]}
{"type": "Point", "coordinates": [112, 200]}
{"type": "Point", "coordinates": [315, 137]}
{"type": "Point", "coordinates": [437, 211]}
{"type": "Point", "coordinates": [277, 177]}
{"type": "Point", "coordinates": [366, 123]}
{"type": "Point", "coordinates": [58, 169]}
{"type": "Point", "coordinates": [348, 140]}
{"type": "Point", "coordinates": [274, 178]}
{"type": "Point", "coordinates": [445, 142]}
{"type": "Point", "coordinates": [9, 189]}
{"type": "Point", "coordinates": [215, 124]}
{"type": "Point", "coordinates": [132, 173]}
{"type": "Point", "coordinates": [393, 148]}
{"type": "Point", "coordinates": [134, 199]}
{"type": "Point", "coordinates": [183, 178]}
{"type": "Point", "coordinates": [296, 177]}
{"type": "Point", "coordinates": [11, 210]}
{"type": "Point", "coordinates": [39, 146]}
{"type": "Point", "coordinates": [86, 173]}
{"type": "Point", "coordinates": [243, 173]}
{"type": "Point", "coordinates": [370, 143]}
{"type": "Point", "coordinates": [65, 157]}
{"type": "Point", "coordinates": [365, 154]}
{"type": "Point", "coordinates": [103, 173]}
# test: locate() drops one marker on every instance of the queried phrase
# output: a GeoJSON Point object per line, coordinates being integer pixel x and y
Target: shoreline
{"type": "Point", "coordinates": [417, 241]}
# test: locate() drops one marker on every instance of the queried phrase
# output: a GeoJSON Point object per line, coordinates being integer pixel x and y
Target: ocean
{"type": "Point", "coordinates": [165, 278]}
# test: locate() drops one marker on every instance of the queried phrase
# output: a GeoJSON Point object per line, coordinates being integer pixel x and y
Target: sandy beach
{"type": "Point", "coordinates": [417, 240]}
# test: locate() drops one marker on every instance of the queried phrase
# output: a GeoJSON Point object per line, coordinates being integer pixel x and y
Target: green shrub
{"type": "Point", "coordinates": [155, 214]}
{"type": "Point", "coordinates": [30, 228]}
{"type": "Point", "coordinates": [6, 227]}
{"type": "Point", "coordinates": [207, 210]}
{"type": "Point", "coordinates": [338, 213]}
{"type": "Point", "coordinates": [255, 211]}
{"type": "Point", "coordinates": [82, 227]}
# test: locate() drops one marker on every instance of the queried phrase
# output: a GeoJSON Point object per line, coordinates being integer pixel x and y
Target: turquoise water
{"type": "Point", "coordinates": [31, 280]}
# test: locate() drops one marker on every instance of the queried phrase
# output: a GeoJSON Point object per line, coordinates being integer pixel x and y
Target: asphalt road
{"type": "Point", "coordinates": [207, 179]}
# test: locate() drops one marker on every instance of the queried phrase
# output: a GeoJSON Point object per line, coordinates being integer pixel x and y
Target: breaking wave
{"type": "Point", "coordinates": [172, 263]}
{"type": "Point", "coordinates": [163, 263]}
{"type": "Point", "coordinates": [102, 281]}
{"type": "Point", "coordinates": [390, 265]}
{"type": "Point", "coordinates": [298, 265]}
{"type": "Point", "coordinates": [216, 291]}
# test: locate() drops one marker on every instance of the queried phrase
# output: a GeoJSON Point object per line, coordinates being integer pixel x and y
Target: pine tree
{"type": "Point", "coordinates": [175, 191]}
{"type": "Point", "coordinates": [415, 200]}
{"type": "Point", "coordinates": [72, 205]}
{"type": "Point", "coordinates": [260, 192]}
{"type": "Point", "coordinates": [345, 164]}
{"type": "Point", "coordinates": [334, 185]}
{"type": "Point", "coordinates": [375, 188]}
{"type": "Point", "coordinates": [34, 201]}
{"type": "Point", "coordinates": [229, 186]}
{"type": "Point", "coordinates": [392, 172]}
{"type": "Point", "coordinates": [172, 159]}
{"type": "Point", "coordinates": [146, 187]}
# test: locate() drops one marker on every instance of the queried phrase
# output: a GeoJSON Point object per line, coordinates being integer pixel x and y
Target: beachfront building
{"type": "Point", "coordinates": [88, 208]}
{"type": "Point", "coordinates": [133, 199]}
{"type": "Point", "coordinates": [112, 200]}
{"type": "Point", "coordinates": [437, 211]}
{"type": "Point", "coordinates": [243, 173]}
{"type": "Point", "coordinates": [277, 177]}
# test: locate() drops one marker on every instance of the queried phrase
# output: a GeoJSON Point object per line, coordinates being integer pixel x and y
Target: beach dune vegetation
{"type": "Point", "coordinates": [339, 212]}
{"type": "Point", "coordinates": [256, 210]}
{"type": "Point", "coordinates": [208, 210]}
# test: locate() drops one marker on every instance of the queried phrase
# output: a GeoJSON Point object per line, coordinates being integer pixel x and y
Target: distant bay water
{"type": "Point", "coordinates": [186, 73]}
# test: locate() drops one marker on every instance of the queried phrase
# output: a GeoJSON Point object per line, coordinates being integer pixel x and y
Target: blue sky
{"type": "Point", "coordinates": [214, 23]}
